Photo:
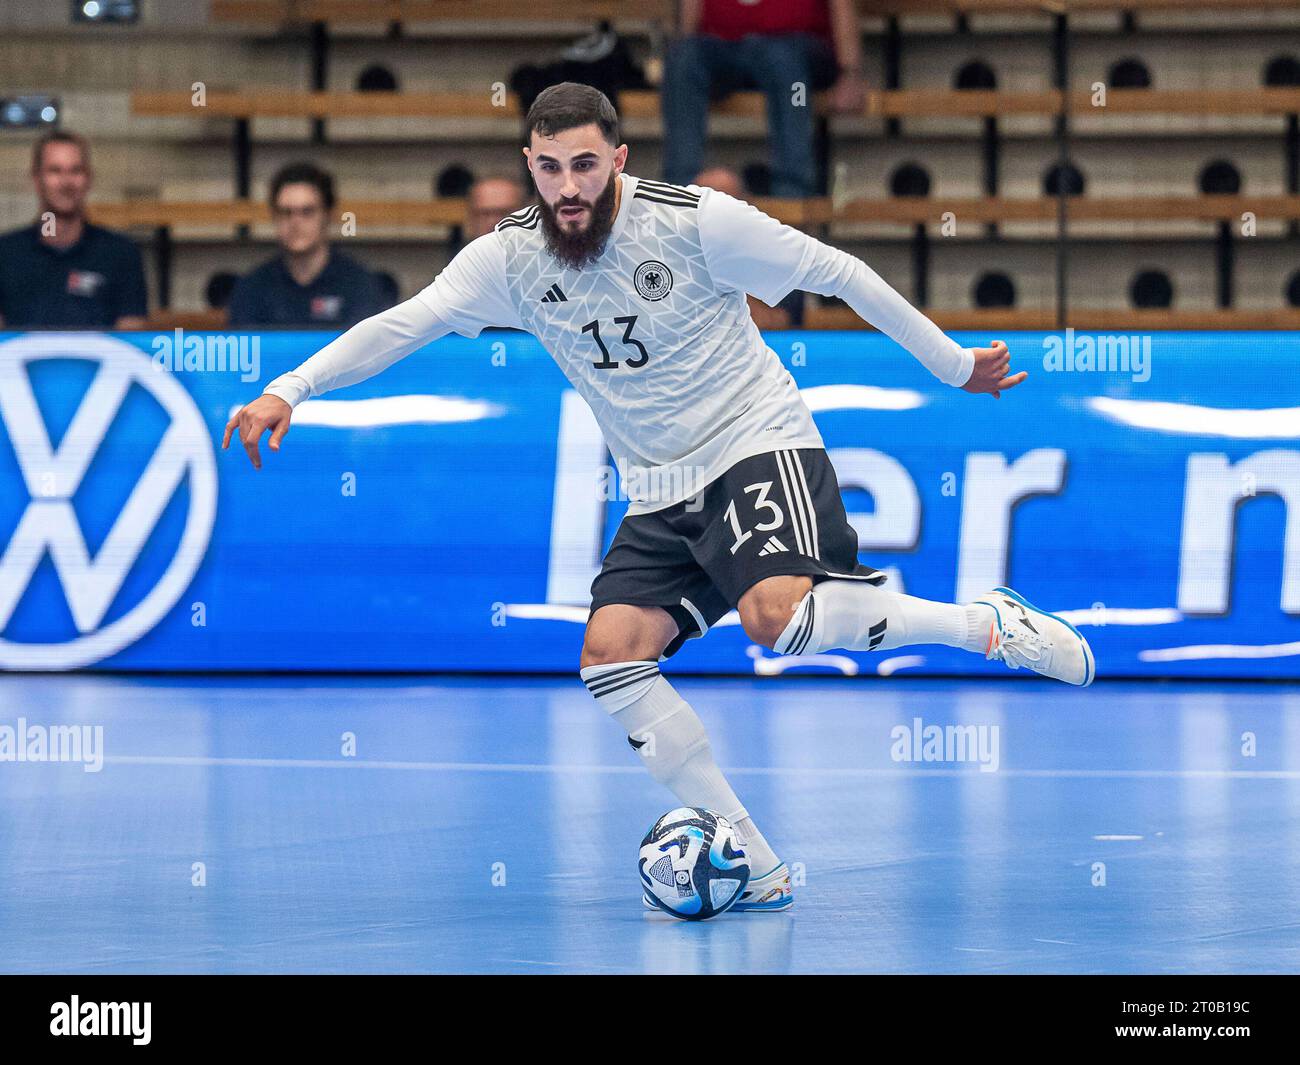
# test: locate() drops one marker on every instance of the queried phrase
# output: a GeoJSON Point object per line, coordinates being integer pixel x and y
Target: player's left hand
{"type": "Point", "coordinates": [992, 367]}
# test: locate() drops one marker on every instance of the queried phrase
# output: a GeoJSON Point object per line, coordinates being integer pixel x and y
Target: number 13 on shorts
{"type": "Point", "coordinates": [760, 503]}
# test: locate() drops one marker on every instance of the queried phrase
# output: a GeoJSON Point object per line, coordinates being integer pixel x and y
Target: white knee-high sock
{"type": "Point", "coordinates": [858, 616]}
{"type": "Point", "coordinates": [670, 740]}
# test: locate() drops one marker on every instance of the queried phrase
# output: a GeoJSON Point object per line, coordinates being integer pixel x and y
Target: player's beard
{"type": "Point", "coordinates": [580, 249]}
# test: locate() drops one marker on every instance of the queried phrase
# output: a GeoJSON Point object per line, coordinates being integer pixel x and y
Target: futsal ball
{"type": "Point", "coordinates": [691, 865]}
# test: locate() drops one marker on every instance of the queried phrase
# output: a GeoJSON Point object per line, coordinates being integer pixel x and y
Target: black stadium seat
{"type": "Point", "coordinates": [995, 289]}
{"type": "Point", "coordinates": [1283, 72]}
{"type": "Point", "coordinates": [219, 287]}
{"type": "Point", "coordinates": [1065, 176]}
{"type": "Point", "coordinates": [1152, 289]}
{"type": "Point", "coordinates": [377, 78]}
{"type": "Point", "coordinates": [910, 180]}
{"type": "Point", "coordinates": [1220, 178]}
{"type": "Point", "coordinates": [975, 75]}
{"type": "Point", "coordinates": [1129, 73]}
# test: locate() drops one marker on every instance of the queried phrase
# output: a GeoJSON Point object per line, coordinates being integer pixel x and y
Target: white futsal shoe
{"type": "Point", "coordinates": [1023, 635]}
{"type": "Point", "coordinates": [768, 893]}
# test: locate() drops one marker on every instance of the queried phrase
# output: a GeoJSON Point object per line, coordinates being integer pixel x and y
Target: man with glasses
{"type": "Point", "coordinates": [308, 284]}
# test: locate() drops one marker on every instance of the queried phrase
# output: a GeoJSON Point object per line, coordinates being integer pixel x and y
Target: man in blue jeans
{"type": "Point", "coordinates": [770, 45]}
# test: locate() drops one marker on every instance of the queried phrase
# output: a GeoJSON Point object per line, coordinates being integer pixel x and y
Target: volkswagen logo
{"type": "Point", "coordinates": [51, 477]}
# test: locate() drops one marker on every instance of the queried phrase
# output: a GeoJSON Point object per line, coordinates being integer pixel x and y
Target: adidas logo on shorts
{"type": "Point", "coordinates": [772, 547]}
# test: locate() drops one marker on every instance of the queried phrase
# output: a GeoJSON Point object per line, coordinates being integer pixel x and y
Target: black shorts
{"type": "Point", "coordinates": [773, 514]}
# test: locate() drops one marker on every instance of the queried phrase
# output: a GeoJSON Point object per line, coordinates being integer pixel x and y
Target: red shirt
{"type": "Point", "coordinates": [732, 19]}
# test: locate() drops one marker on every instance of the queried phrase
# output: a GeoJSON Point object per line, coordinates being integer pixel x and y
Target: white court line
{"type": "Point", "coordinates": [1116, 837]}
{"type": "Point", "coordinates": [799, 771]}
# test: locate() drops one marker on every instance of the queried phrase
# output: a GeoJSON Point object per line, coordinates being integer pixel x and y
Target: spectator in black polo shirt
{"type": "Point", "coordinates": [308, 284]}
{"type": "Point", "coordinates": [62, 271]}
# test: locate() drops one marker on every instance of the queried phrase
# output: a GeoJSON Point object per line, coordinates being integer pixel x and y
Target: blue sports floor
{"type": "Point", "coordinates": [492, 826]}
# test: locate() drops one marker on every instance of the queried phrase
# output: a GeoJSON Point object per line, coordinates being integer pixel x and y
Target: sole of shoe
{"type": "Point", "coordinates": [762, 907]}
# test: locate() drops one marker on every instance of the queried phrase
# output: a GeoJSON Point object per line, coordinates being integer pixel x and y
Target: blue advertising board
{"type": "Point", "coordinates": [451, 512]}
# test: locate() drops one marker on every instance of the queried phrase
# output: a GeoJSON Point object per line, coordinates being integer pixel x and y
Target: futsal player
{"type": "Point", "coordinates": [637, 289]}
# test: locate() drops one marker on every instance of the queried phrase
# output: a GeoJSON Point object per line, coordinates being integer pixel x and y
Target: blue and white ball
{"type": "Point", "coordinates": [691, 865]}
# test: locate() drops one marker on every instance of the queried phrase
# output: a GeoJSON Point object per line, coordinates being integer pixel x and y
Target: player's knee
{"type": "Point", "coordinates": [765, 624]}
{"type": "Point", "coordinates": [601, 650]}
{"type": "Point", "coordinates": [765, 620]}
{"type": "Point", "coordinates": [766, 609]}
{"type": "Point", "coordinates": [619, 634]}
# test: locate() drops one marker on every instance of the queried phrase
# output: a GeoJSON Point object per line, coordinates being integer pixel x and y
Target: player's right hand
{"type": "Point", "coordinates": [252, 420]}
{"type": "Point", "coordinates": [992, 372]}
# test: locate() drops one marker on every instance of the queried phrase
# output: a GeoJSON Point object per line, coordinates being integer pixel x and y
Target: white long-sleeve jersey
{"type": "Point", "coordinates": [656, 335]}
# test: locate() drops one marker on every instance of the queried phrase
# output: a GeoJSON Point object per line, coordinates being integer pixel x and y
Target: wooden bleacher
{"type": "Point", "coordinates": [889, 104]}
{"type": "Point", "coordinates": [208, 213]}
{"type": "Point", "coordinates": [901, 103]}
{"type": "Point", "coordinates": [166, 318]}
{"type": "Point", "coordinates": [402, 11]}
{"type": "Point", "coordinates": [1137, 209]}
{"type": "Point", "coordinates": [164, 216]}
{"type": "Point", "coordinates": [388, 11]}
{"type": "Point", "coordinates": [398, 214]}
{"type": "Point", "coordinates": [817, 317]}
{"type": "Point", "coordinates": [1114, 320]}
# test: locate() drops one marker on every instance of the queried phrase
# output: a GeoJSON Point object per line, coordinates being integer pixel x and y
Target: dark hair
{"type": "Point", "coordinates": [304, 174]}
{"type": "Point", "coordinates": [568, 106]}
{"type": "Point", "coordinates": [58, 136]}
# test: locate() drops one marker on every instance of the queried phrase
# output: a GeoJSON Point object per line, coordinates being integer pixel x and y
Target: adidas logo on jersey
{"type": "Point", "coordinates": [554, 295]}
{"type": "Point", "coordinates": [773, 546]}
